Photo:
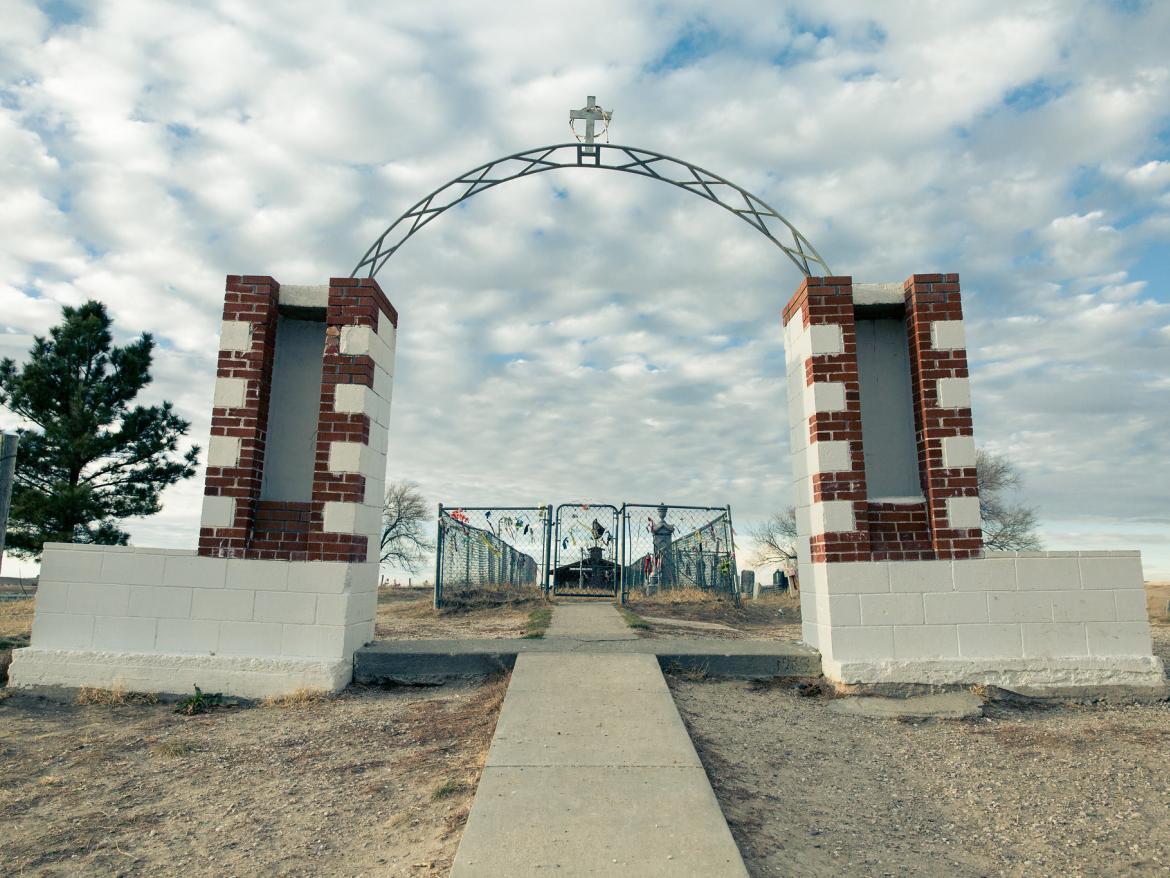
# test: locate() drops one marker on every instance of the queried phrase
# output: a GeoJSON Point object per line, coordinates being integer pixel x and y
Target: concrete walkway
{"type": "Point", "coordinates": [591, 771]}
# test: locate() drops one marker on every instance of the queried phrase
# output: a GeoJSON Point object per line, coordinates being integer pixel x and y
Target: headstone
{"type": "Point", "coordinates": [747, 582]}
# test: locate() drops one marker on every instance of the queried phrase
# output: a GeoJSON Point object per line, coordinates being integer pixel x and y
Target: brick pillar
{"type": "Point", "coordinates": [350, 468]}
{"type": "Point", "coordinates": [942, 413]}
{"type": "Point", "coordinates": [239, 415]}
{"type": "Point", "coordinates": [825, 414]}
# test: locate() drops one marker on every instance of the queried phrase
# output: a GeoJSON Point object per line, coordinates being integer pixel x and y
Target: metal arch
{"type": "Point", "coordinates": [748, 207]}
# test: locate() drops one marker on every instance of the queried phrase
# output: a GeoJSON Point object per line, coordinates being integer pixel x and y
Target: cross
{"type": "Point", "coordinates": [591, 113]}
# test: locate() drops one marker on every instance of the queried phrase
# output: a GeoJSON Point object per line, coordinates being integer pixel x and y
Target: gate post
{"type": "Point", "coordinates": [439, 560]}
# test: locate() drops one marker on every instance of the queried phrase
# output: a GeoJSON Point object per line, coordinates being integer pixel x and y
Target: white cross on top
{"type": "Point", "coordinates": [592, 114]}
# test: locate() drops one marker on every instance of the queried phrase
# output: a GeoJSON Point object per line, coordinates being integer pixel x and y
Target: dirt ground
{"type": "Point", "coordinates": [369, 783]}
{"type": "Point", "coordinates": [408, 614]}
{"type": "Point", "coordinates": [772, 617]}
{"type": "Point", "coordinates": [1026, 791]}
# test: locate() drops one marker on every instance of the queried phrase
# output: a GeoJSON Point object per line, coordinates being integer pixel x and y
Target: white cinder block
{"type": "Point", "coordinates": [832, 516]}
{"type": "Point", "coordinates": [340, 517]}
{"type": "Point", "coordinates": [954, 393]}
{"type": "Point", "coordinates": [1084, 606]}
{"type": "Point", "coordinates": [921, 576]}
{"type": "Point", "coordinates": [859, 644]}
{"type": "Point", "coordinates": [235, 335]}
{"type": "Point", "coordinates": [304, 295]}
{"type": "Point", "coordinates": [1119, 638]}
{"type": "Point", "coordinates": [958, 451]}
{"type": "Point", "coordinates": [332, 609]}
{"type": "Point", "coordinates": [1048, 574]}
{"type": "Point", "coordinates": [187, 636]}
{"type": "Point", "coordinates": [223, 451]}
{"type": "Point", "coordinates": [285, 607]}
{"type": "Point", "coordinates": [258, 575]}
{"type": "Point", "coordinates": [124, 634]}
{"type": "Point", "coordinates": [383, 383]}
{"type": "Point", "coordinates": [963, 512]}
{"type": "Point", "coordinates": [845, 609]}
{"type": "Point", "coordinates": [223, 604]}
{"type": "Point", "coordinates": [160, 603]}
{"type": "Point", "coordinates": [62, 631]}
{"type": "Point", "coordinates": [1112, 573]}
{"type": "Point", "coordinates": [97, 599]}
{"type": "Point", "coordinates": [855, 577]}
{"type": "Point", "coordinates": [990, 641]}
{"type": "Point", "coordinates": [984, 574]}
{"type": "Point", "coordinates": [350, 398]}
{"type": "Point", "coordinates": [133, 568]}
{"type": "Point", "coordinates": [891, 609]}
{"type": "Point", "coordinates": [194, 571]}
{"type": "Point", "coordinates": [230, 392]}
{"type": "Point", "coordinates": [319, 577]}
{"type": "Point", "coordinates": [1019, 606]}
{"type": "Point", "coordinates": [313, 641]}
{"type": "Point", "coordinates": [925, 641]}
{"type": "Point", "coordinates": [358, 635]}
{"type": "Point", "coordinates": [825, 396]}
{"type": "Point", "coordinates": [52, 597]}
{"type": "Point", "coordinates": [218, 511]}
{"type": "Point", "coordinates": [249, 638]}
{"type": "Point", "coordinates": [345, 457]}
{"type": "Point", "coordinates": [1054, 640]}
{"type": "Point", "coordinates": [1129, 605]}
{"type": "Point", "coordinates": [825, 339]}
{"type": "Point", "coordinates": [71, 564]}
{"type": "Point", "coordinates": [828, 457]}
{"type": "Point", "coordinates": [947, 335]}
{"type": "Point", "coordinates": [956, 608]}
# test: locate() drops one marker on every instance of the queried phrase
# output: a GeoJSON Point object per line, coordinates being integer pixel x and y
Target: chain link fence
{"type": "Point", "coordinates": [490, 553]}
{"type": "Point", "coordinates": [673, 547]}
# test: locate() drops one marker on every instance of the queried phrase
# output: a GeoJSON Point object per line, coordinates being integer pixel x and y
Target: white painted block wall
{"type": "Point", "coordinates": [1024, 619]}
{"type": "Point", "coordinates": [107, 615]}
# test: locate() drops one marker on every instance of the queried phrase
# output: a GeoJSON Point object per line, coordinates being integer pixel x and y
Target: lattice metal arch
{"type": "Point", "coordinates": [645, 163]}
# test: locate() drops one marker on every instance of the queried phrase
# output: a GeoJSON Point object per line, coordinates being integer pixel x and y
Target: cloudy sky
{"type": "Point", "coordinates": [589, 335]}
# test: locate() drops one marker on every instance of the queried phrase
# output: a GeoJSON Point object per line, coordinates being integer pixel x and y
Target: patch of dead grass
{"type": "Point", "coordinates": [16, 618]}
{"type": "Point", "coordinates": [117, 695]}
{"type": "Point", "coordinates": [174, 748]}
{"type": "Point", "coordinates": [303, 697]}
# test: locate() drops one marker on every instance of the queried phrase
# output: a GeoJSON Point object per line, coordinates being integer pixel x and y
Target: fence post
{"type": "Point", "coordinates": [8, 443]}
{"type": "Point", "coordinates": [439, 560]}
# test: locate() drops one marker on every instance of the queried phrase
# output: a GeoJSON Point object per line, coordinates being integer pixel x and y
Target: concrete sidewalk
{"type": "Point", "coordinates": [591, 772]}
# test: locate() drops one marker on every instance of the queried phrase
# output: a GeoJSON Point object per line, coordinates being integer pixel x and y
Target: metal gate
{"type": "Point", "coordinates": [491, 552]}
{"type": "Point", "coordinates": [585, 550]}
{"type": "Point", "coordinates": [670, 547]}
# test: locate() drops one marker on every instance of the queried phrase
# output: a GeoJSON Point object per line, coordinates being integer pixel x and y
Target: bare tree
{"type": "Point", "coordinates": [1007, 526]}
{"type": "Point", "coordinates": [776, 538]}
{"type": "Point", "coordinates": [404, 516]}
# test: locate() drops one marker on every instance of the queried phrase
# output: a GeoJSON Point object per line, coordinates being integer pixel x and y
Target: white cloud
{"type": "Point", "coordinates": [622, 339]}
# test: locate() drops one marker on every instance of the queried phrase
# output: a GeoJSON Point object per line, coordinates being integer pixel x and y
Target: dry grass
{"type": "Point", "coordinates": [298, 698]}
{"type": "Point", "coordinates": [95, 696]}
{"type": "Point", "coordinates": [173, 748]}
{"type": "Point", "coordinates": [697, 605]}
{"type": "Point", "coordinates": [16, 618]}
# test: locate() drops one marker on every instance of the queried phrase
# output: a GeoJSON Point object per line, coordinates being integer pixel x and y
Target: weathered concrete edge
{"type": "Point", "coordinates": [434, 663]}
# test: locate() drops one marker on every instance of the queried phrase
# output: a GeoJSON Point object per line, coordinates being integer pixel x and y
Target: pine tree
{"type": "Point", "coordinates": [92, 458]}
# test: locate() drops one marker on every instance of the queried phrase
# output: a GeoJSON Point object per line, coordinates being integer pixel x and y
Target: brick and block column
{"type": "Point", "coordinates": [283, 586]}
{"type": "Point", "coordinates": [895, 587]}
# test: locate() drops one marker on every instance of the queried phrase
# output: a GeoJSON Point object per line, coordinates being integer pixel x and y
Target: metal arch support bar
{"type": "Point", "coordinates": [644, 163]}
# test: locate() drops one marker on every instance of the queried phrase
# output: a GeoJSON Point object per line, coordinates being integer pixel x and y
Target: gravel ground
{"type": "Point", "coordinates": [1064, 790]}
{"type": "Point", "coordinates": [369, 783]}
